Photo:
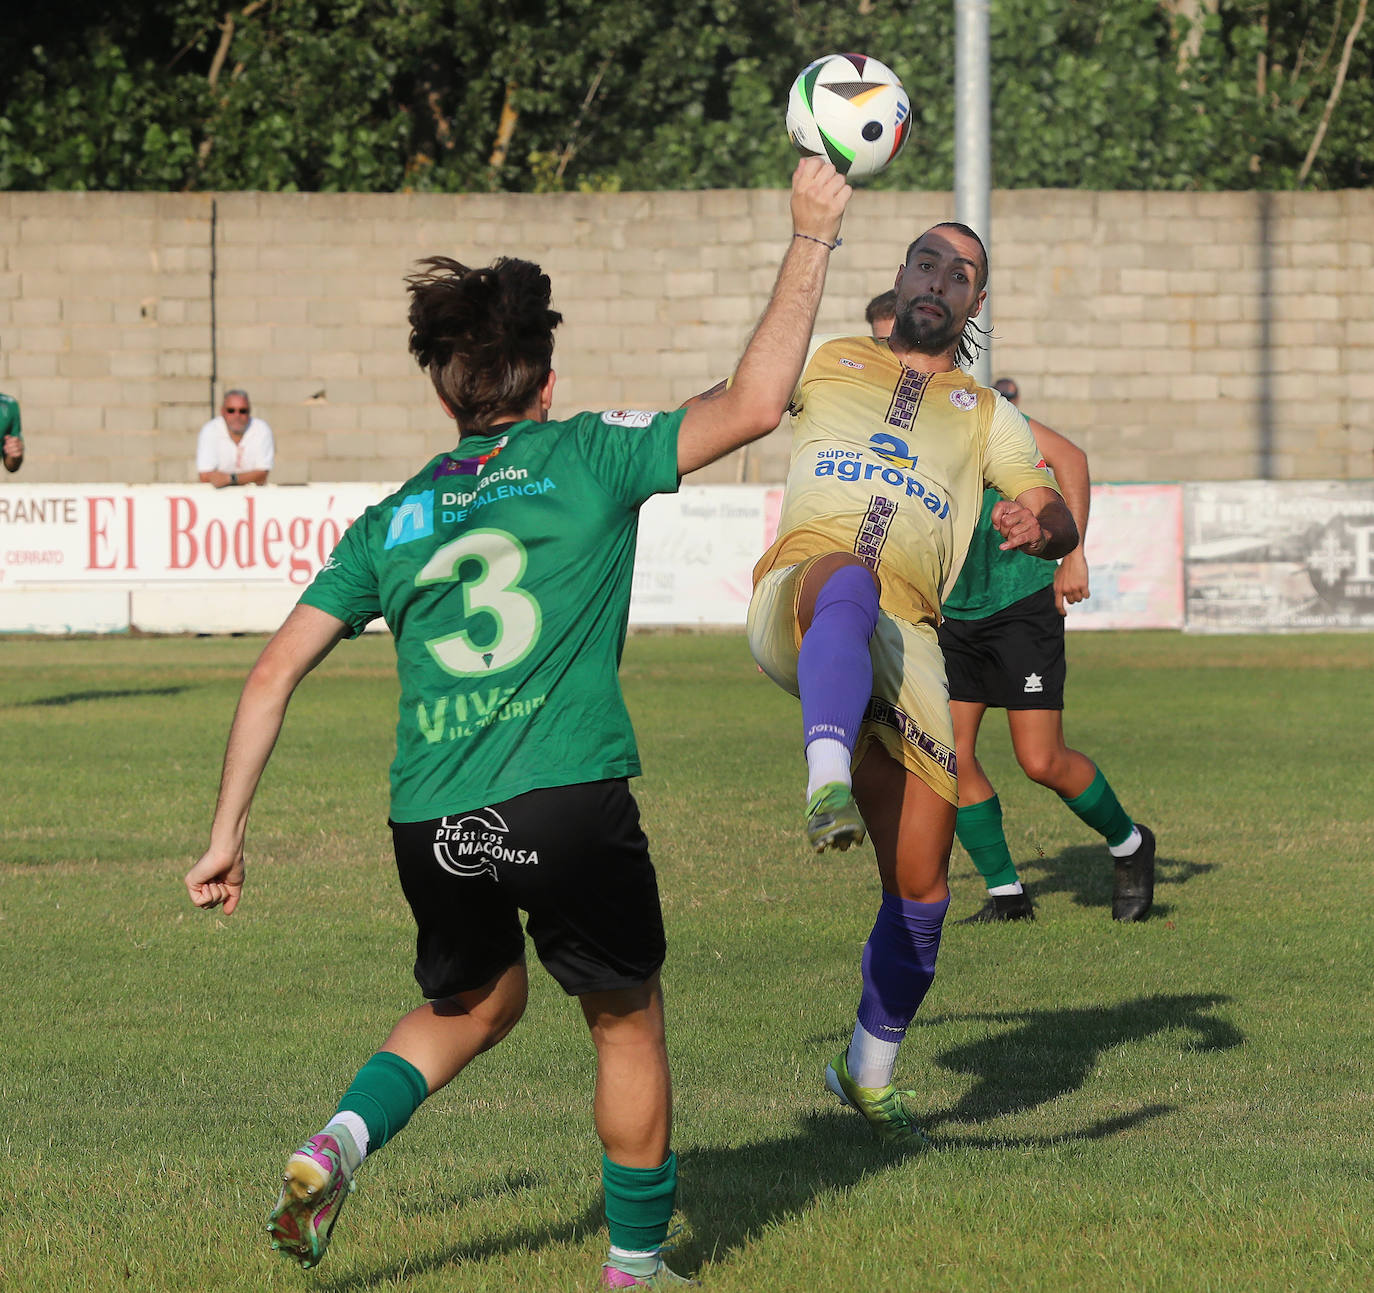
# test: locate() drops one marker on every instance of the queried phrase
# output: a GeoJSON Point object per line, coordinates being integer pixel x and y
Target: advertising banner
{"type": "Point", "coordinates": [1227, 556]}
{"type": "Point", "coordinates": [147, 534]}
{"type": "Point", "coordinates": [1279, 555]}
{"type": "Point", "coordinates": [1135, 559]}
{"type": "Point", "coordinates": [696, 554]}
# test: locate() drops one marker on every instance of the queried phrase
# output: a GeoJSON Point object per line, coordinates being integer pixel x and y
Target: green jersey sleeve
{"type": "Point", "coordinates": [9, 417]}
{"type": "Point", "coordinates": [631, 454]}
{"type": "Point", "coordinates": [347, 586]}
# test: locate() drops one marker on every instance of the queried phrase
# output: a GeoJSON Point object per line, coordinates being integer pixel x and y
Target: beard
{"type": "Point", "coordinates": [930, 336]}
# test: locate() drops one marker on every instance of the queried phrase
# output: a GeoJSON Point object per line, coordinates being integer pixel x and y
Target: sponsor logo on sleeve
{"type": "Point", "coordinates": [636, 418]}
{"type": "Point", "coordinates": [964, 400]}
{"type": "Point", "coordinates": [850, 363]}
{"type": "Point", "coordinates": [412, 519]}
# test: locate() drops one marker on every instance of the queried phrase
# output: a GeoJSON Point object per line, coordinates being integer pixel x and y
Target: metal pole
{"type": "Point", "coordinates": [972, 141]}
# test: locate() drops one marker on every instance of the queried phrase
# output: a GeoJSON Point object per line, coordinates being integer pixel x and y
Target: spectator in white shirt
{"type": "Point", "coordinates": [235, 448]}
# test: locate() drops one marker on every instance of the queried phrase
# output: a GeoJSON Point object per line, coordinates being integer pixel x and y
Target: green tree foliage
{"type": "Point", "coordinates": [464, 95]}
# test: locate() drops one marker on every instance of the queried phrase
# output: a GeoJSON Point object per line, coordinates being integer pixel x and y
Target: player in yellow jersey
{"type": "Point", "coordinates": [892, 444]}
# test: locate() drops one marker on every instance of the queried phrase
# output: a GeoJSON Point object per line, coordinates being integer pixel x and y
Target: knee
{"type": "Point", "coordinates": [853, 586]}
{"type": "Point", "coordinates": [496, 1014]}
{"type": "Point", "coordinates": [1043, 766]}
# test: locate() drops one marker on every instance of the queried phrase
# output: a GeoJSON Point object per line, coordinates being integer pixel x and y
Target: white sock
{"type": "Point", "coordinates": [355, 1127]}
{"type": "Point", "coordinates": [871, 1059]}
{"type": "Point", "coordinates": [1128, 845]}
{"type": "Point", "coordinates": [827, 760]}
{"type": "Point", "coordinates": [999, 890]}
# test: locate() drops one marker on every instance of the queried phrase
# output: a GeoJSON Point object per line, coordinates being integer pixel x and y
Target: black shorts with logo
{"type": "Point", "coordinates": [573, 857]}
{"type": "Point", "coordinates": [1012, 659]}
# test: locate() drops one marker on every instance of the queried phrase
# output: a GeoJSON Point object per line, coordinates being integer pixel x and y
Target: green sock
{"type": "Point", "coordinates": [386, 1091]}
{"type": "Point", "coordinates": [979, 828]}
{"type": "Point", "coordinates": [1099, 808]}
{"type": "Point", "coordinates": [639, 1203]}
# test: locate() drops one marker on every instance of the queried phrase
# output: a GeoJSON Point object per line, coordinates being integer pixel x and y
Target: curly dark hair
{"type": "Point", "coordinates": [484, 336]}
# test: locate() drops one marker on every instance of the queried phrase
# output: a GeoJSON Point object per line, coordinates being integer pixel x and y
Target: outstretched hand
{"type": "Point", "coordinates": [216, 879]}
{"type": "Point", "coordinates": [819, 197]}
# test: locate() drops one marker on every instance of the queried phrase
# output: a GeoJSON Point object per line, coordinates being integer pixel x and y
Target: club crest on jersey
{"type": "Point", "coordinates": [412, 519]}
{"type": "Point", "coordinates": [636, 418]}
{"type": "Point", "coordinates": [964, 400]}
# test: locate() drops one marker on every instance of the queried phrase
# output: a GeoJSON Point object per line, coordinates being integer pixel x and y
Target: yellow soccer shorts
{"type": "Point", "coordinates": [908, 714]}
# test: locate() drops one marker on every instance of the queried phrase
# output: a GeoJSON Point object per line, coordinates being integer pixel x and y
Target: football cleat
{"type": "Point", "coordinates": [832, 818]}
{"type": "Point", "coordinates": [655, 1275]}
{"type": "Point", "coordinates": [319, 1178]}
{"type": "Point", "coordinates": [881, 1107]}
{"type": "Point", "coordinates": [1134, 890]}
{"type": "Point", "coordinates": [1002, 906]}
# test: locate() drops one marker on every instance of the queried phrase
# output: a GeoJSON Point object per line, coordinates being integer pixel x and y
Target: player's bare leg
{"type": "Point", "coordinates": [441, 1038]}
{"type": "Point", "coordinates": [1037, 736]}
{"type": "Point", "coordinates": [974, 786]}
{"type": "Point", "coordinates": [425, 1050]}
{"type": "Point", "coordinates": [979, 824]}
{"type": "Point", "coordinates": [912, 829]}
{"type": "Point", "coordinates": [837, 611]}
{"type": "Point", "coordinates": [633, 1112]}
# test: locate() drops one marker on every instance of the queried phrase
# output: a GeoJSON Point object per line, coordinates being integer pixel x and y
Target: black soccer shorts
{"type": "Point", "coordinates": [574, 858]}
{"type": "Point", "coordinates": [1012, 659]}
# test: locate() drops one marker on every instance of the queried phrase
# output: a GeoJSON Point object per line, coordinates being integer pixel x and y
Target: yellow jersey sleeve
{"type": "Point", "coordinates": [1012, 462]}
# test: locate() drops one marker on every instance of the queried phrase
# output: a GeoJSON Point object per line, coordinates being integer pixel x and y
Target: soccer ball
{"type": "Point", "coordinates": [851, 110]}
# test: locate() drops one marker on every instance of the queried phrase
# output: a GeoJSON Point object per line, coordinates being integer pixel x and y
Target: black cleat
{"type": "Point", "coordinates": [1002, 906]}
{"type": "Point", "coordinates": [1134, 892]}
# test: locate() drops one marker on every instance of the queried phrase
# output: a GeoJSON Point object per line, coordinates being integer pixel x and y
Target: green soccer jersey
{"type": "Point", "coordinates": [505, 577]}
{"type": "Point", "coordinates": [9, 417]}
{"type": "Point", "coordinates": [991, 579]}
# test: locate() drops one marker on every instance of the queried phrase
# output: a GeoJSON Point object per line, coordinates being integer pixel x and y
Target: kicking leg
{"type": "Point", "coordinates": [912, 829]}
{"type": "Point", "coordinates": [425, 1050]}
{"type": "Point", "coordinates": [633, 1113]}
{"type": "Point", "coordinates": [837, 613]}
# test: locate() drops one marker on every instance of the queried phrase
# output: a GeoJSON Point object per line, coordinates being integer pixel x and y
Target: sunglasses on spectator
{"type": "Point", "coordinates": [227, 409]}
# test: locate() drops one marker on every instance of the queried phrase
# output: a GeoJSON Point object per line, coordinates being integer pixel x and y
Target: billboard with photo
{"type": "Point", "coordinates": [1279, 555]}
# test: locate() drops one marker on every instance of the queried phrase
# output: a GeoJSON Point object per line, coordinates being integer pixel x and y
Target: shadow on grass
{"type": "Point", "coordinates": [76, 697]}
{"type": "Point", "coordinates": [731, 1195]}
{"type": "Point", "coordinates": [1085, 872]}
{"type": "Point", "coordinates": [1049, 1053]}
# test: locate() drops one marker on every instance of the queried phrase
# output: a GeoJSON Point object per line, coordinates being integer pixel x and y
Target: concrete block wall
{"type": "Point", "coordinates": [1175, 336]}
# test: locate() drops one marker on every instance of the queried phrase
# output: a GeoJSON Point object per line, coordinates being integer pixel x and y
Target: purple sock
{"type": "Point", "coordinates": [899, 964]}
{"type": "Point", "coordinates": [834, 669]}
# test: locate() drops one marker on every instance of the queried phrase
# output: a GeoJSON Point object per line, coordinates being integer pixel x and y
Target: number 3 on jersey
{"type": "Point", "coordinates": [500, 619]}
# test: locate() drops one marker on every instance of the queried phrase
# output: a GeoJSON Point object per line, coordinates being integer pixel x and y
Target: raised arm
{"type": "Point", "coordinates": [1070, 466]}
{"type": "Point", "coordinates": [306, 637]}
{"type": "Point", "coordinates": [772, 362]}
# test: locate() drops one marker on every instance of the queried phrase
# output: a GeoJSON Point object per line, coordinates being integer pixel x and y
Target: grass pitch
{"type": "Point", "coordinates": [1181, 1104]}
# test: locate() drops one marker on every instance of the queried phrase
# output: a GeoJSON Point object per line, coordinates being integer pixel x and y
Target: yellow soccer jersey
{"type": "Point", "coordinates": [890, 464]}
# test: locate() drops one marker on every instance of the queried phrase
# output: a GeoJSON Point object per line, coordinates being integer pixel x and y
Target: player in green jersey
{"type": "Point", "coordinates": [1003, 641]}
{"type": "Point", "coordinates": [11, 433]}
{"type": "Point", "coordinates": [503, 569]}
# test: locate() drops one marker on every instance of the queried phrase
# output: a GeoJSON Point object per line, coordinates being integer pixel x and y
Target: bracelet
{"type": "Point", "coordinates": [233, 478]}
{"type": "Point", "coordinates": [822, 241]}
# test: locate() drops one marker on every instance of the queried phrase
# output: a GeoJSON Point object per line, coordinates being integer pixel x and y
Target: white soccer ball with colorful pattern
{"type": "Point", "coordinates": [851, 110]}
